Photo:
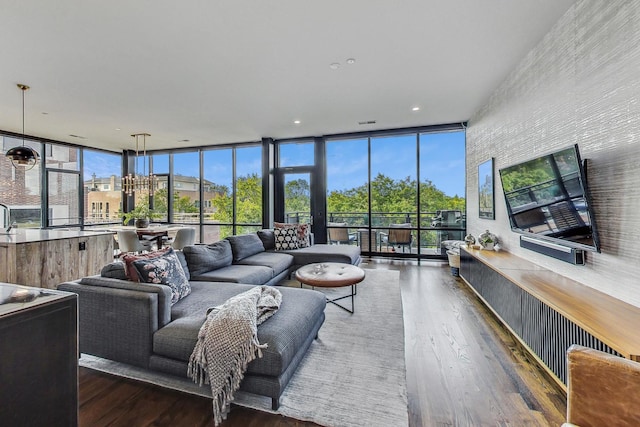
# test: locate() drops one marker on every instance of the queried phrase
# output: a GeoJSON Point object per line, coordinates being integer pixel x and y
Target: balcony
{"type": "Point", "coordinates": [376, 233]}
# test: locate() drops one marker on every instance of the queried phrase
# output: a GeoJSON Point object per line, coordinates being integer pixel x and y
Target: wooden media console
{"type": "Point", "coordinates": [547, 312]}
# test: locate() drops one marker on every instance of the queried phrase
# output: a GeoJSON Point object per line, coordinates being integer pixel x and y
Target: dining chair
{"type": "Point", "coordinates": [184, 237]}
{"type": "Point", "coordinates": [128, 242]}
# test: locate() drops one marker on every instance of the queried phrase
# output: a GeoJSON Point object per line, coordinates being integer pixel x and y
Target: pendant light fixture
{"type": "Point", "coordinates": [132, 182]}
{"type": "Point", "coordinates": [23, 156]}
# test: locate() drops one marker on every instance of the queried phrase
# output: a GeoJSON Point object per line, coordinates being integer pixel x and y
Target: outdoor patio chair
{"type": "Point", "coordinates": [398, 235]}
{"type": "Point", "coordinates": [339, 235]}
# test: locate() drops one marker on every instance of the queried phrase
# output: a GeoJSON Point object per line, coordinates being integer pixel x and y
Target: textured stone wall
{"type": "Point", "coordinates": [581, 84]}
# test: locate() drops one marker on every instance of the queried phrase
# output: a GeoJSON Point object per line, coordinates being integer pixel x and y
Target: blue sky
{"type": "Point", "coordinates": [442, 161]}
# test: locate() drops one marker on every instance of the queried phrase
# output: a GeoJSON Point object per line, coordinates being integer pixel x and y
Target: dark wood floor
{"type": "Point", "coordinates": [463, 369]}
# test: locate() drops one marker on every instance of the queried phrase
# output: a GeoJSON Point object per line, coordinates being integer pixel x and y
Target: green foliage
{"type": "Point", "coordinates": [248, 199]}
{"type": "Point", "coordinates": [388, 195]}
{"type": "Point", "coordinates": [181, 204]}
{"type": "Point", "coordinates": [141, 211]}
{"type": "Point", "coordinates": [297, 196]}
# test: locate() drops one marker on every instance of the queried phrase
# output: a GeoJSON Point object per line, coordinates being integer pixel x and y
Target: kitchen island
{"type": "Point", "coordinates": [46, 258]}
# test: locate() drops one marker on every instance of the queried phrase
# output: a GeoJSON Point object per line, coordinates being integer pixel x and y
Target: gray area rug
{"type": "Point", "coordinates": [352, 375]}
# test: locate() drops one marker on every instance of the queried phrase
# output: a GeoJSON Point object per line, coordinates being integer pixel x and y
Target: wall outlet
{"type": "Point", "coordinates": [82, 246]}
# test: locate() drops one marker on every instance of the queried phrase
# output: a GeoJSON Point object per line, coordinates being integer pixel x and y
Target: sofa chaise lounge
{"type": "Point", "coordinates": [136, 324]}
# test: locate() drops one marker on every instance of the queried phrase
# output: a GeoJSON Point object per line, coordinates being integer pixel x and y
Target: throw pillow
{"type": "Point", "coordinates": [131, 272]}
{"type": "Point", "coordinates": [303, 230]}
{"type": "Point", "coordinates": [114, 270]}
{"type": "Point", "coordinates": [183, 263]}
{"type": "Point", "coordinates": [204, 258]}
{"type": "Point", "coordinates": [268, 239]}
{"type": "Point", "coordinates": [304, 233]}
{"type": "Point", "coordinates": [245, 245]}
{"type": "Point", "coordinates": [286, 238]}
{"type": "Point", "coordinates": [164, 270]}
{"type": "Point", "coordinates": [284, 225]}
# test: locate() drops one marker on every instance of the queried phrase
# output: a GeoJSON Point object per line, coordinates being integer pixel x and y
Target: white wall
{"type": "Point", "coordinates": [581, 84]}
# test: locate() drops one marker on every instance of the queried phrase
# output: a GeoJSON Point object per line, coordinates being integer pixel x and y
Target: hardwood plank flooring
{"type": "Point", "coordinates": [463, 369]}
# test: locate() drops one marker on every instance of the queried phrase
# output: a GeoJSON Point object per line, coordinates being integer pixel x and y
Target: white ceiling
{"type": "Point", "coordinates": [220, 71]}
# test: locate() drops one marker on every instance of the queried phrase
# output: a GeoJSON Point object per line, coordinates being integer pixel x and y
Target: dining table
{"type": "Point", "coordinates": [153, 232]}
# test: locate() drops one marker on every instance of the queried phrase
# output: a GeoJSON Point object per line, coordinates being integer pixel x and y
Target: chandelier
{"type": "Point", "coordinates": [132, 182]}
{"type": "Point", "coordinates": [23, 156]}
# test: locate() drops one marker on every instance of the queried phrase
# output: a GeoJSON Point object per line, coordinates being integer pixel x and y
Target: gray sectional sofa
{"type": "Point", "coordinates": [136, 324]}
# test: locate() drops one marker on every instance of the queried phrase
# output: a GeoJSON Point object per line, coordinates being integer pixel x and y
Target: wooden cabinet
{"type": "Point", "coordinates": [38, 358]}
{"type": "Point", "coordinates": [547, 312]}
{"type": "Point", "coordinates": [46, 258]}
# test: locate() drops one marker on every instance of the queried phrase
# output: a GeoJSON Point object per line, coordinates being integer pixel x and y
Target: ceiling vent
{"type": "Point", "coordinates": [367, 122]}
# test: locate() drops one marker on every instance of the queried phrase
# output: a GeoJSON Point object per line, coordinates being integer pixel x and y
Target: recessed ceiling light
{"type": "Point", "coordinates": [184, 140]}
{"type": "Point", "coordinates": [297, 122]}
{"type": "Point", "coordinates": [44, 113]}
{"type": "Point", "coordinates": [351, 61]}
{"type": "Point", "coordinates": [77, 136]}
{"type": "Point", "coordinates": [118, 129]}
{"type": "Point", "coordinates": [415, 109]}
{"type": "Point", "coordinates": [334, 66]}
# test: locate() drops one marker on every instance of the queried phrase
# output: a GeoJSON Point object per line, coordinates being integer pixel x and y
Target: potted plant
{"type": "Point", "coordinates": [142, 214]}
{"type": "Point", "coordinates": [488, 240]}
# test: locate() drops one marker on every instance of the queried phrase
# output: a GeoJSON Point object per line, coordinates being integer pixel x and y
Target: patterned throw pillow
{"type": "Point", "coordinates": [131, 272]}
{"type": "Point", "coordinates": [286, 238]}
{"type": "Point", "coordinates": [164, 270]}
{"type": "Point", "coordinates": [303, 231]}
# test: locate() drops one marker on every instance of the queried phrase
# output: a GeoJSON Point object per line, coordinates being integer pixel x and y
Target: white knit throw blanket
{"type": "Point", "coordinates": [228, 341]}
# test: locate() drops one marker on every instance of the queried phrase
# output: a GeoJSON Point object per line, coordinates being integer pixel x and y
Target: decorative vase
{"type": "Point", "coordinates": [488, 240]}
{"type": "Point", "coordinates": [142, 223]}
{"type": "Point", "coordinates": [469, 240]}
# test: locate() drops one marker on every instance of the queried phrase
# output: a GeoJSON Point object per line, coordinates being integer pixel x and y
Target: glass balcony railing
{"type": "Point", "coordinates": [395, 232]}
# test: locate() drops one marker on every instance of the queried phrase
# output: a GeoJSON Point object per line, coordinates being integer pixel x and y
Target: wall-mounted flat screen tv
{"type": "Point", "coordinates": [547, 197]}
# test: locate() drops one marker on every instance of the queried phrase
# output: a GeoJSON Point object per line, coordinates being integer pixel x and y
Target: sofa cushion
{"type": "Point", "coordinates": [268, 238]}
{"type": "Point", "coordinates": [203, 258]}
{"type": "Point", "coordinates": [277, 261]}
{"type": "Point", "coordinates": [164, 270]}
{"type": "Point", "coordinates": [283, 333]}
{"type": "Point", "coordinates": [114, 270]}
{"type": "Point", "coordinates": [245, 245]}
{"type": "Point", "coordinates": [286, 238]}
{"type": "Point", "coordinates": [347, 254]}
{"type": "Point", "coordinates": [183, 263]}
{"type": "Point", "coordinates": [236, 273]}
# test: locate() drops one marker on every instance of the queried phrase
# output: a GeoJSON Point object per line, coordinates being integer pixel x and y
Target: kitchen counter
{"type": "Point", "coordinates": [29, 235]}
{"type": "Point", "coordinates": [46, 258]}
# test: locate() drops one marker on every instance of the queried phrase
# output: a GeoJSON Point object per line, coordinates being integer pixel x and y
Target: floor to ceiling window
{"type": "Point", "coordinates": [232, 188]}
{"type": "Point", "coordinates": [396, 193]}
{"type": "Point", "coordinates": [442, 188]}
